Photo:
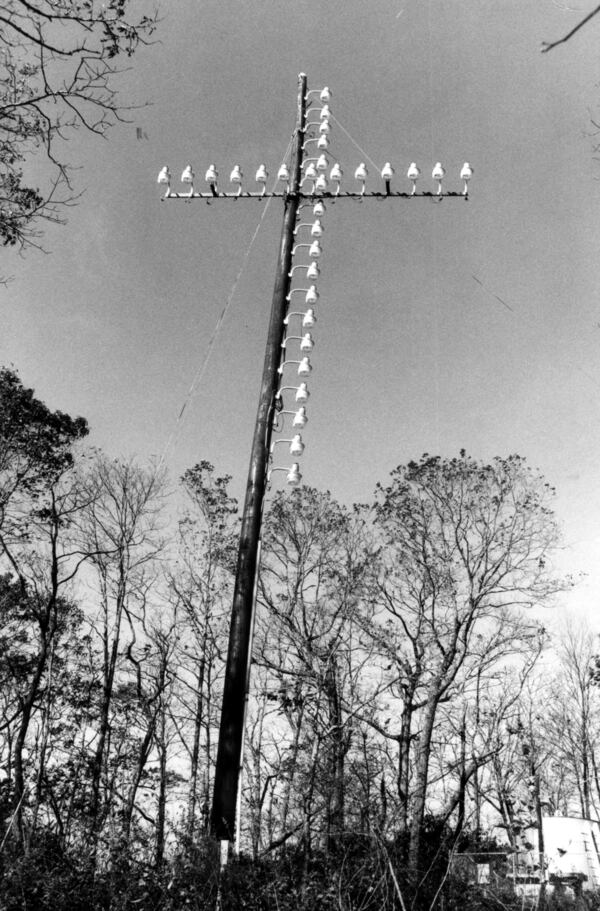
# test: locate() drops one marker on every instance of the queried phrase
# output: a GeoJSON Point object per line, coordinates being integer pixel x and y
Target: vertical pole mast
{"type": "Point", "coordinates": [229, 753]}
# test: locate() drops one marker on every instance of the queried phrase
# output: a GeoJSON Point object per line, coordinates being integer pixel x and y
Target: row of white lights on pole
{"type": "Point", "coordinates": [311, 296]}
{"type": "Point", "coordinates": [306, 341]}
{"type": "Point", "coordinates": [315, 172]}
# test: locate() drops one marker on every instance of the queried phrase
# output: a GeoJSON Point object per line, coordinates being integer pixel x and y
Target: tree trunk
{"type": "Point", "coordinates": [43, 750]}
{"type": "Point", "coordinates": [403, 778]}
{"type": "Point", "coordinates": [338, 749]}
{"type": "Point", "coordinates": [47, 626]}
{"type": "Point", "coordinates": [195, 757]}
{"type": "Point", "coordinates": [463, 778]}
{"type": "Point", "coordinates": [419, 798]}
{"type": "Point", "coordinates": [161, 812]}
{"type": "Point", "coordinates": [109, 670]}
{"type": "Point", "coordinates": [541, 847]}
{"type": "Point", "coordinates": [295, 749]}
{"type": "Point", "coordinates": [585, 772]}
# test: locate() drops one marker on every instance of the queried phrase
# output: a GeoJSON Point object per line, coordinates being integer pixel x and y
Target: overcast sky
{"type": "Point", "coordinates": [469, 325]}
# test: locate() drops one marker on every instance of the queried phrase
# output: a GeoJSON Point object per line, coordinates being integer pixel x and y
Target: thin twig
{"type": "Point", "coordinates": [14, 816]}
{"type": "Point", "coordinates": [392, 871]}
{"type": "Point", "coordinates": [548, 45]}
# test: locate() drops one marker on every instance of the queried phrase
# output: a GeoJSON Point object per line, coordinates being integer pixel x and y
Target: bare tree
{"type": "Point", "coordinates": [201, 593]}
{"type": "Point", "coordinates": [315, 568]}
{"type": "Point", "coordinates": [571, 722]}
{"type": "Point", "coordinates": [40, 499]}
{"type": "Point", "coordinates": [122, 528]}
{"type": "Point", "coordinates": [465, 545]}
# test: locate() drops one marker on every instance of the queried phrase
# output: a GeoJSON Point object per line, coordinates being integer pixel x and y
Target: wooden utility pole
{"type": "Point", "coordinates": [237, 673]}
{"type": "Point", "coordinates": [229, 754]}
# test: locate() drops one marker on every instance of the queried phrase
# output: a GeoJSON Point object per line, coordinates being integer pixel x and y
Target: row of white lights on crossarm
{"type": "Point", "coordinates": [315, 171]}
{"type": "Point", "coordinates": [211, 177]}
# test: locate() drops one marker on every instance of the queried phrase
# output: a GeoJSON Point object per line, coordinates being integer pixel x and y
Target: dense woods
{"type": "Point", "coordinates": [400, 709]}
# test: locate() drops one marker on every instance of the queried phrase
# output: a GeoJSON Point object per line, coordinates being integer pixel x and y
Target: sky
{"type": "Point", "coordinates": [441, 326]}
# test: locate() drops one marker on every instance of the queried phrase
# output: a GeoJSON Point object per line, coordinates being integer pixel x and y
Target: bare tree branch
{"type": "Point", "coordinates": [548, 45]}
{"type": "Point", "coordinates": [57, 72]}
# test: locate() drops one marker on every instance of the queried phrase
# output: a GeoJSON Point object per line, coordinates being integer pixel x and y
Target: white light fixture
{"type": "Point", "coordinates": [322, 116]}
{"type": "Point", "coordinates": [212, 175]}
{"type": "Point", "coordinates": [300, 418]}
{"type": "Point", "coordinates": [304, 366]}
{"type": "Point", "coordinates": [302, 393]}
{"type": "Point", "coordinates": [236, 177]}
{"type": "Point", "coordinates": [319, 208]}
{"type": "Point", "coordinates": [211, 178]}
{"type": "Point", "coordinates": [310, 172]}
{"type": "Point", "coordinates": [283, 173]}
{"type": "Point", "coordinates": [293, 475]}
{"type": "Point", "coordinates": [316, 228]}
{"type": "Point", "coordinates": [262, 175]}
{"type": "Point", "coordinates": [164, 177]}
{"type": "Point", "coordinates": [322, 163]}
{"type": "Point", "coordinates": [308, 318]}
{"type": "Point", "coordinates": [336, 175]}
{"type": "Point", "coordinates": [322, 141]}
{"type": "Point", "coordinates": [306, 341]}
{"type": "Point", "coordinates": [387, 172]}
{"type": "Point", "coordinates": [325, 128]}
{"type": "Point", "coordinates": [361, 174]}
{"type": "Point", "coordinates": [312, 270]}
{"type": "Point", "coordinates": [314, 249]}
{"type": "Point", "coordinates": [187, 175]}
{"type": "Point", "coordinates": [438, 174]}
{"type": "Point", "coordinates": [324, 93]}
{"type": "Point", "coordinates": [312, 295]}
{"type": "Point", "coordinates": [296, 445]}
{"type": "Point", "coordinates": [321, 184]}
{"type": "Point", "coordinates": [413, 174]}
{"type": "Point", "coordinates": [466, 174]}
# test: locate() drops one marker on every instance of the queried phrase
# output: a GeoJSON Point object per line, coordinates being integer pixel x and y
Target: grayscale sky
{"type": "Point", "coordinates": [440, 326]}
